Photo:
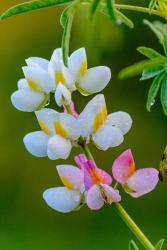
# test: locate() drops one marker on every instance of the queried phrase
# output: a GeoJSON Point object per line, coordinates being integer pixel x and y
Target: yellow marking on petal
{"type": "Point", "coordinates": [83, 68]}
{"type": "Point", "coordinates": [100, 118]}
{"type": "Point", "coordinates": [66, 182]}
{"type": "Point", "coordinates": [59, 77]}
{"type": "Point", "coordinates": [33, 85]}
{"type": "Point", "coordinates": [44, 127]}
{"type": "Point", "coordinates": [60, 130]}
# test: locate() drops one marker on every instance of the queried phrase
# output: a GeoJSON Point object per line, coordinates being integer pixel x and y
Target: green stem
{"type": "Point", "coordinates": [133, 227]}
{"type": "Point", "coordinates": [85, 149]}
{"type": "Point", "coordinates": [139, 9]}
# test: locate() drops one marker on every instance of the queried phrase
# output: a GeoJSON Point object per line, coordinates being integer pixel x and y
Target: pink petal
{"type": "Point", "coordinates": [123, 167]}
{"type": "Point", "coordinates": [72, 106]}
{"type": "Point", "coordinates": [94, 198]}
{"type": "Point", "coordinates": [72, 177]}
{"type": "Point", "coordinates": [94, 175]}
{"type": "Point", "coordinates": [143, 181]}
{"type": "Point", "coordinates": [110, 194]}
{"type": "Point", "coordinates": [80, 160]}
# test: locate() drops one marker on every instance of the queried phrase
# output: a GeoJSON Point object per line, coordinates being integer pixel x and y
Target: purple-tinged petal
{"type": "Point", "coordinates": [143, 181]}
{"type": "Point", "coordinates": [94, 198]}
{"type": "Point", "coordinates": [110, 194]}
{"type": "Point", "coordinates": [107, 179]}
{"type": "Point", "coordinates": [123, 167]}
{"type": "Point", "coordinates": [80, 160]}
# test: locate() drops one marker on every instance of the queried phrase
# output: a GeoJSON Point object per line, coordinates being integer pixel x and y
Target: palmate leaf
{"type": "Point", "coordinates": [164, 94]}
{"type": "Point", "coordinates": [148, 52]}
{"type": "Point", "coordinates": [137, 68]}
{"type": "Point", "coordinates": [93, 8]}
{"type": "Point", "coordinates": [159, 245]}
{"type": "Point", "coordinates": [133, 246]}
{"type": "Point", "coordinates": [111, 9]}
{"type": "Point", "coordinates": [30, 6]}
{"type": "Point", "coordinates": [150, 73]}
{"type": "Point", "coordinates": [153, 91]}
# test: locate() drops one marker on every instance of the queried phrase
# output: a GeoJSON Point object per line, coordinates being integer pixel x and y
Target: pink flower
{"type": "Point", "coordinates": [97, 184]}
{"type": "Point", "coordinates": [74, 112]}
{"type": "Point", "coordinates": [135, 182]}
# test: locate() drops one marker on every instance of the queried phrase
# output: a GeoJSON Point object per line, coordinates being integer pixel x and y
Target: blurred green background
{"type": "Point", "coordinates": [26, 222]}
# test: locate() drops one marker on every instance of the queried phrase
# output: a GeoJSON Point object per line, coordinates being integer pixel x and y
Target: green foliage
{"type": "Point", "coordinates": [133, 246]}
{"type": "Point", "coordinates": [159, 245]}
{"type": "Point", "coordinates": [154, 66]}
{"type": "Point", "coordinates": [111, 9]}
{"type": "Point", "coordinates": [30, 6]}
{"type": "Point", "coordinates": [93, 8]}
{"type": "Point", "coordinates": [163, 168]}
{"type": "Point", "coordinates": [152, 4]}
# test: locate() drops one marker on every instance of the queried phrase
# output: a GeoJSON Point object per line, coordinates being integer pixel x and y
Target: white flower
{"type": "Point", "coordinates": [58, 130]}
{"type": "Point", "coordinates": [66, 199]}
{"type": "Point", "coordinates": [33, 91]}
{"type": "Point", "coordinates": [62, 78]}
{"type": "Point", "coordinates": [88, 81]}
{"type": "Point", "coordinates": [105, 130]}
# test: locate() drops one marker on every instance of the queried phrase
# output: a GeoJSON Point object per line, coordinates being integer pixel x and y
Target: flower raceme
{"type": "Point", "coordinates": [135, 182]}
{"type": "Point", "coordinates": [86, 184]}
{"type": "Point", "coordinates": [104, 130]}
{"type": "Point", "coordinates": [43, 77]}
{"type": "Point", "coordinates": [58, 131]}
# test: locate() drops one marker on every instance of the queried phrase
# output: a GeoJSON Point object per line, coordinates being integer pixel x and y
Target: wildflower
{"type": "Point", "coordinates": [68, 198]}
{"type": "Point", "coordinates": [135, 182]}
{"type": "Point", "coordinates": [33, 91]}
{"type": "Point", "coordinates": [97, 184]}
{"type": "Point", "coordinates": [105, 130]}
{"type": "Point", "coordinates": [88, 81]}
{"type": "Point", "coordinates": [58, 131]}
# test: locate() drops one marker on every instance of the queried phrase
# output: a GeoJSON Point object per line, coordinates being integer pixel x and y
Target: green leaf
{"type": "Point", "coordinates": [148, 52]}
{"type": "Point", "coordinates": [111, 9]}
{"type": "Point", "coordinates": [152, 4]}
{"type": "Point", "coordinates": [125, 19]}
{"type": "Point", "coordinates": [137, 68]}
{"type": "Point", "coordinates": [93, 8]}
{"type": "Point", "coordinates": [30, 6]}
{"type": "Point", "coordinates": [153, 91]}
{"type": "Point", "coordinates": [160, 30]}
{"type": "Point", "coordinates": [164, 94]}
{"type": "Point", "coordinates": [159, 245]}
{"type": "Point", "coordinates": [133, 246]}
{"type": "Point", "coordinates": [150, 73]}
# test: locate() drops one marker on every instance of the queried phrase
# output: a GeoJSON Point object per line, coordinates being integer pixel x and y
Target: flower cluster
{"type": "Point", "coordinates": [91, 185]}
{"type": "Point", "coordinates": [60, 131]}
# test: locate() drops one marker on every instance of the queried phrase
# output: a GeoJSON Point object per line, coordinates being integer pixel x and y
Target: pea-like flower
{"type": "Point", "coordinates": [88, 81]}
{"type": "Point", "coordinates": [135, 182]}
{"type": "Point", "coordinates": [105, 130]}
{"type": "Point", "coordinates": [97, 184]}
{"type": "Point", "coordinates": [68, 198]}
{"type": "Point", "coordinates": [33, 91]}
{"type": "Point", "coordinates": [58, 131]}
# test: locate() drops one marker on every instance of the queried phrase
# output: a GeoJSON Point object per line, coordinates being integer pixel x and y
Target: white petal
{"type": "Point", "coordinates": [22, 84]}
{"type": "Point", "coordinates": [57, 55]}
{"type": "Point", "coordinates": [38, 79]}
{"type": "Point", "coordinates": [94, 198]}
{"type": "Point", "coordinates": [58, 148]}
{"type": "Point", "coordinates": [37, 62]}
{"type": "Point", "coordinates": [78, 63]}
{"type": "Point", "coordinates": [121, 120]}
{"type": "Point", "coordinates": [36, 143]}
{"type": "Point", "coordinates": [88, 118]}
{"type": "Point", "coordinates": [72, 177]}
{"type": "Point", "coordinates": [45, 118]}
{"type": "Point", "coordinates": [107, 136]}
{"type": "Point", "coordinates": [95, 80]}
{"type": "Point", "coordinates": [62, 199]}
{"type": "Point", "coordinates": [59, 73]}
{"type": "Point", "coordinates": [62, 95]}
{"type": "Point", "coordinates": [27, 100]}
{"type": "Point", "coordinates": [67, 126]}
